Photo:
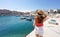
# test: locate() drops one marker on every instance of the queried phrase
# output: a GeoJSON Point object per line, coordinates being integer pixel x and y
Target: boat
{"type": "Point", "coordinates": [28, 19]}
{"type": "Point", "coordinates": [22, 18]}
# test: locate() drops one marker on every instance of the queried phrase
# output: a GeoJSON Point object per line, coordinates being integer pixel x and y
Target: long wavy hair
{"type": "Point", "coordinates": [40, 16]}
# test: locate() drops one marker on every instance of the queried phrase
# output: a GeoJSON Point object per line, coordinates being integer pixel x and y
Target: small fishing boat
{"type": "Point", "coordinates": [22, 18]}
{"type": "Point", "coordinates": [28, 19]}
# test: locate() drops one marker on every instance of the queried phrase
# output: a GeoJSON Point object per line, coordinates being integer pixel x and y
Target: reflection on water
{"type": "Point", "coordinates": [12, 26]}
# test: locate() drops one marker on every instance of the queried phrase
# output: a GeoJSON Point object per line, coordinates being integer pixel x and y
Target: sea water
{"type": "Point", "coordinates": [12, 26]}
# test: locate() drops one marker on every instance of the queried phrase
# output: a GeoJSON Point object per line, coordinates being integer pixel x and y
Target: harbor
{"type": "Point", "coordinates": [12, 26]}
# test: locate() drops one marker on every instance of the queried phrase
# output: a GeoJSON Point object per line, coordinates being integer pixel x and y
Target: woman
{"type": "Point", "coordinates": [38, 23]}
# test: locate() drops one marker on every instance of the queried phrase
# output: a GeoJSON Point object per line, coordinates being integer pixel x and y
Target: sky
{"type": "Point", "coordinates": [29, 5]}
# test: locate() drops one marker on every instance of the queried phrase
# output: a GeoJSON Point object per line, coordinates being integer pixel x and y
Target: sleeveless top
{"type": "Point", "coordinates": [38, 24]}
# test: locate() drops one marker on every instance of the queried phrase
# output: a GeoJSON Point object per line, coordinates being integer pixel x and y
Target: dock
{"type": "Point", "coordinates": [50, 30]}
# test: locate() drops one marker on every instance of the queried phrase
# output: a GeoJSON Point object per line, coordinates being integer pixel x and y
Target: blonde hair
{"type": "Point", "coordinates": [39, 16]}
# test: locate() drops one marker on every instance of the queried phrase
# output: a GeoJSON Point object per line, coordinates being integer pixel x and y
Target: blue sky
{"type": "Point", "coordinates": [29, 4]}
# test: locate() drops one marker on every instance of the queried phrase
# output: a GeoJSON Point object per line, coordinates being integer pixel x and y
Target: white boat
{"type": "Point", "coordinates": [22, 18]}
{"type": "Point", "coordinates": [28, 19]}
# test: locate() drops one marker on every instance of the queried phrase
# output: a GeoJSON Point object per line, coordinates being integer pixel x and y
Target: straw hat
{"type": "Point", "coordinates": [40, 12]}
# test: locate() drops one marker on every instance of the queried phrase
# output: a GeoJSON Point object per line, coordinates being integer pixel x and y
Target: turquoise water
{"type": "Point", "coordinates": [12, 26]}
